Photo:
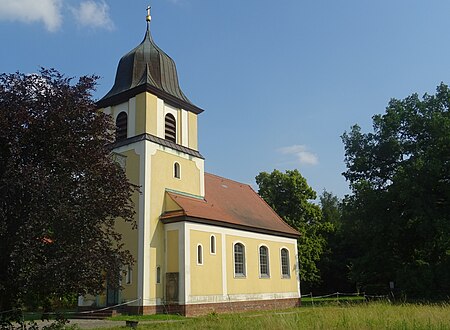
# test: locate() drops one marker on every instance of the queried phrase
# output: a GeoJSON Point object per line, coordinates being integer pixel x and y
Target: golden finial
{"type": "Point", "coordinates": [148, 18]}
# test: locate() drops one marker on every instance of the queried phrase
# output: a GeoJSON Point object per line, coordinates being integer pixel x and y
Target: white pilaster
{"type": "Point", "coordinates": [184, 128]}
{"type": "Point", "coordinates": [132, 117]}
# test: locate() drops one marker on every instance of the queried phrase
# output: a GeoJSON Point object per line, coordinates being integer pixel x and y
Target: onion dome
{"type": "Point", "coordinates": [147, 68]}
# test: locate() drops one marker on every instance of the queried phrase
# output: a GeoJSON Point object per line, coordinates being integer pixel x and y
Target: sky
{"type": "Point", "coordinates": [280, 81]}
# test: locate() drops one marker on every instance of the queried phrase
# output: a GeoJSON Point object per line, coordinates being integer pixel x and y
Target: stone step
{"type": "Point", "coordinates": [96, 314]}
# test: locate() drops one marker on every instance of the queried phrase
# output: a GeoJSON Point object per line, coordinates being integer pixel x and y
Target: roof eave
{"type": "Point", "coordinates": [162, 142]}
{"type": "Point", "coordinates": [167, 218]}
{"type": "Point", "coordinates": [125, 95]}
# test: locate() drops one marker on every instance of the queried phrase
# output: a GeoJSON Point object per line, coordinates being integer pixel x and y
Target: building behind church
{"type": "Point", "coordinates": [203, 243]}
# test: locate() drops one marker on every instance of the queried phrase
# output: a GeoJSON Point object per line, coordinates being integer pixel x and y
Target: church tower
{"type": "Point", "coordinates": [156, 143]}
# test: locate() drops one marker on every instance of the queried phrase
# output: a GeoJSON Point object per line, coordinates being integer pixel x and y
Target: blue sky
{"type": "Point", "coordinates": [280, 80]}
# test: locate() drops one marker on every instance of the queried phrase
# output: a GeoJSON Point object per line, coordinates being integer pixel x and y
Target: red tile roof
{"type": "Point", "coordinates": [230, 204]}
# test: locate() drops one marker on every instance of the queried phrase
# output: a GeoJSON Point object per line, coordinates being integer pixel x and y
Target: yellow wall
{"type": "Point", "coordinates": [161, 178]}
{"type": "Point", "coordinates": [193, 131]}
{"type": "Point", "coordinates": [172, 251]}
{"type": "Point", "coordinates": [206, 279]}
{"type": "Point", "coordinates": [252, 283]}
{"type": "Point", "coordinates": [130, 236]}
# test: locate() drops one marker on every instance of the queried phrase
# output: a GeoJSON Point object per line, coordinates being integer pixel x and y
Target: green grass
{"type": "Point", "coordinates": [307, 301]}
{"type": "Point", "coordinates": [375, 315]}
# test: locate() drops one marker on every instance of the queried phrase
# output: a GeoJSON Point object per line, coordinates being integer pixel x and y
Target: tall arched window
{"type": "Point", "coordinates": [263, 261]}
{"type": "Point", "coordinates": [171, 128]}
{"type": "Point", "coordinates": [239, 260]}
{"type": "Point", "coordinates": [176, 170]}
{"type": "Point", "coordinates": [199, 254]}
{"type": "Point", "coordinates": [285, 273]}
{"type": "Point", "coordinates": [121, 126]}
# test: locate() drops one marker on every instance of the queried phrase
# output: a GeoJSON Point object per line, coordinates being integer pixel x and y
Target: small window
{"type": "Point", "coordinates": [158, 275]}
{"type": "Point", "coordinates": [285, 263]}
{"type": "Point", "coordinates": [199, 254]}
{"type": "Point", "coordinates": [121, 126]}
{"type": "Point", "coordinates": [263, 261]}
{"type": "Point", "coordinates": [213, 244]}
{"type": "Point", "coordinates": [128, 275]}
{"type": "Point", "coordinates": [239, 260]}
{"type": "Point", "coordinates": [176, 170]}
{"type": "Point", "coordinates": [171, 128]}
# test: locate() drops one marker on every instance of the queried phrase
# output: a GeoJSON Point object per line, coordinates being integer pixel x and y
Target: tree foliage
{"type": "Point", "coordinates": [60, 190]}
{"type": "Point", "coordinates": [334, 263]}
{"type": "Point", "coordinates": [398, 216]}
{"type": "Point", "coordinates": [289, 195]}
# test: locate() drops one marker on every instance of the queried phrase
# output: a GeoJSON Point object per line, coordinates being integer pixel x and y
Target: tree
{"type": "Point", "coordinates": [289, 194]}
{"type": "Point", "coordinates": [60, 190]}
{"type": "Point", "coordinates": [334, 263]}
{"type": "Point", "coordinates": [399, 213]}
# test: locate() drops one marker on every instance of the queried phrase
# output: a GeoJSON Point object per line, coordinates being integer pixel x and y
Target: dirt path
{"type": "Point", "coordinates": [95, 324]}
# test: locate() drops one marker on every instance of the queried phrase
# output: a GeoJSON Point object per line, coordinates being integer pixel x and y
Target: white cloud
{"type": "Point", "coordinates": [93, 14]}
{"type": "Point", "coordinates": [27, 11]}
{"type": "Point", "coordinates": [301, 153]}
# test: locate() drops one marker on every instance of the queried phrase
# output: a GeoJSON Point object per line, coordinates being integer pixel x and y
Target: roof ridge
{"type": "Point", "coordinates": [221, 177]}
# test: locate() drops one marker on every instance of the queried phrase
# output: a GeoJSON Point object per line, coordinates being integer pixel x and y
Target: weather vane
{"type": "Point", "coordinates": [148, 18]}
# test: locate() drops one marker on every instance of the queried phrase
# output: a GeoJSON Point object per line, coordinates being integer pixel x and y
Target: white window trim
{"type": "Point", "coordinates": [264, 276]}
{"type": "Point", "coordinates": [202, 261]}
{"type": "Point", "coordinates": [215, 245]}
{"type": "Point", "coordinates": [245, 261]}
{"type": "Point", "coordinates": [288, 276]}
{"type": "Point", "coordinates": [118, 111]}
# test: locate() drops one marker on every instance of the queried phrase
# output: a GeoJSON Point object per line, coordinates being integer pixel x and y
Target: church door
{"type": "Point", "coordinates": [112, 295]}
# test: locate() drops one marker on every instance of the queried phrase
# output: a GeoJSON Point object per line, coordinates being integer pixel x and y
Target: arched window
{"type": "Point", "coordinates": [158, 275]}
{"type": "Point", "coordinates": [212, 244]}
{"type": "Point", "coordinates": [199, 254]}
{"type": "Point", "coordinates": [176, 170]}
{"type": "Point", "coordinates": [171, 128]}
{"type": "Point", "coordinates": [239, 260]}
{"type": "Point", "coordinates": [121, 126]}
{"type": "Point", "coordinates": [285, 263]}
{"type": "Point", "coordinates": [129, 275]}
{"type": "Point", "coordinates": [263, 261]}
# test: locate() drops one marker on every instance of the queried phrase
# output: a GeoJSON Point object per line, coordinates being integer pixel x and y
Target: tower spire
{"type": "Point", "coordinates": [148, 18]}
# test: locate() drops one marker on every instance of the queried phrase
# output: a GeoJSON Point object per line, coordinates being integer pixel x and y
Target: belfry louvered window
{"type": "Point", "coordinates": [121, 126]}
{"type": "Point", "coordinates": [171, 128]}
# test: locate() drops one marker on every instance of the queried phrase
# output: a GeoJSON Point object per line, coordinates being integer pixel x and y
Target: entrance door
{"type": "Point", "coordinates": [112, 296]}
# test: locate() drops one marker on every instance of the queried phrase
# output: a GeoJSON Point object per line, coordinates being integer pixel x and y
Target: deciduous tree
{"type": "Point", "coordinates": [290, 196]}
{"type": "Point", "coordinates": [60, 190]}
{"type": "Point", "coordinates": [399, 213]}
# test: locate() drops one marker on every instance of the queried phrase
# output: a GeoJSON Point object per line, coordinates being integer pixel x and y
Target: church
{"type": "Point", "coordinates": [203, 243]}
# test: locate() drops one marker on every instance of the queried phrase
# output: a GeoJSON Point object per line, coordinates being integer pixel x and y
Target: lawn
{"type": "Point", "coordinates": [375, 315]}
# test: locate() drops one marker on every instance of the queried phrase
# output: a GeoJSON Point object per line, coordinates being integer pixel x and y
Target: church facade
{"type": "Point", "coordinates": [203, 243]}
